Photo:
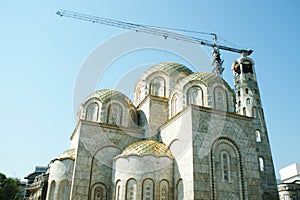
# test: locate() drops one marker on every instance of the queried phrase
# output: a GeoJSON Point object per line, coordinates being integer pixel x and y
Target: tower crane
{"type": "Point", "coordinates": [164, 32]}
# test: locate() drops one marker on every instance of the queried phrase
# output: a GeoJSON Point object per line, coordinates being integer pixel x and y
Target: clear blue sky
{"type": "Point", "coordinates": [41, 55]}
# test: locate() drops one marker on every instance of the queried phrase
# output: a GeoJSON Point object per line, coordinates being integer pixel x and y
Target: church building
{"type": "Point", "coordinates": [186, 135]}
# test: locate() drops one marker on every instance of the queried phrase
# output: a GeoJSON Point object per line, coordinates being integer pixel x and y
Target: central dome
{"type": "Point", "coordinates": [170, 68]}
{"type": "Point", "coordinates": [147, 147]}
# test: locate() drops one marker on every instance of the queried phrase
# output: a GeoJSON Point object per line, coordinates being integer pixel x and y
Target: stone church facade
{"type": "Point", "coordinates": [187, 135]}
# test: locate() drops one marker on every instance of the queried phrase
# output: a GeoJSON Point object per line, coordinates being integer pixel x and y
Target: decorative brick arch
{"type": "Point", "coordinates": [219, 146]}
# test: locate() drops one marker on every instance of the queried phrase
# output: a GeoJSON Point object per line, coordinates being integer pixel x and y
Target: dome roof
{"type": "Point", "coordinates": [171, 68]}
{"type": "Point", "coordinates": [206, 78]}
{"type": "Point", "coordinates": [147, 147]}
{"type": "Point", "coordinates": [106, 95]}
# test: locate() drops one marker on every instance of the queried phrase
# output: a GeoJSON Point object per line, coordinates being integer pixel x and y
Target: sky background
{"type": "Point", "coordinates": [41, 55]}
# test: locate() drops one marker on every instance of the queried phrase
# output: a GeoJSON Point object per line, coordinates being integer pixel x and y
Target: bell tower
{"type": "Point", "coordinates": [248, 103]}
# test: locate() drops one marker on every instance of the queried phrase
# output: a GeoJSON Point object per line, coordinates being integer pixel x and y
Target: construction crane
{"type": "Point", "coordinates": [164, 32]}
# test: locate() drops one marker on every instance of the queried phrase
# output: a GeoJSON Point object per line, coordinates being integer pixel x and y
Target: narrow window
{"type": "Point", "coordinates": [148, 189]}
{"type": "Point", "coordinates": [195, 96]}
{"type": "Point", "coordinates": [52, 190]}
{"type": "Point", "coordinates": [254, 112]}
{"type": "Point", "coordinates": [114, 114]}
{"type": "Point", "coordinates": [258, 136]}
{"type": "Point", "coordinates": [98, 193]}
{"type": "Point", "coordinates": [164, 190]}
{"type": "Point", "coordinates": [246, 90]}
{"type": "Point", "coordinates": [248, 100]}
{"type": "Point", "coordinates": [244, 111]}
{"type": "Point", "coordinates": [92, 112]}
{"type": "Point", "coordinates": [239, 93]}
{"type": "Point", "coordinates": [225, 166]}
{"type": "Point", "coordinates": [179, 190]}
{"type": "Point", "coordinates": [261, 164]}
{"type": "Point", "coordinates": [131, 189]}
{"type": "Point", "coordinates": [174, 105]}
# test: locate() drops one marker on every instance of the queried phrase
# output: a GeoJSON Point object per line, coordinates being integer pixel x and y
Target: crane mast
{"type": "Point", "coordinates": [164, 32]}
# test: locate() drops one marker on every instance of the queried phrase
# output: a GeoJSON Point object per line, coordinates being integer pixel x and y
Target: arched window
{"type": "Point", "coordinates": [244, 111]}
{"type": "Point", "coordinates": [258, 136]}
{"type": "Point", "coordinates": [179, 190]}
{"type": "Point", "coordinates": [174, 105]}
{"type": "Point", "coordinates": [248, 101]}
{"type": "Point", "coordinates": [195, 96]}
{"type": "Point", "coordinates": [114, 114]}
{"type": "Point", "coordinates": [131, 190]}
{"type": "Point", "coordinates": [225, 160]}
{"type": "Point", "coordinates": [254, 112]}
{"type": "Point", "coordinates": [247, 67]}
{"type": "Point", "coordinates": [64, 190]}
{"type": "Point", "coordinates": [246, 90]}
{"type": "Point", "coordinates": [118, 190]}
{"type": "Point", "coordinates": [261, 164]}
{"type": "Point", "coordinates": [164, 190]}
{"type": "Point", "coordinates": [220, 99]}
{"type": "Point", "coordinates": [52, 190]}
{"type": "Point", "coordinates": [98, 193]}
{"type": "Point", "coordinates": [92, 112]}
{"type": "Point", "coordinates": [157, 87]}
{"type": "Point", "coordinates": [148, 189]}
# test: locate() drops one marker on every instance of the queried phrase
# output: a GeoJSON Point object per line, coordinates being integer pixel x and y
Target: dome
{"type": "Point", "coordinates": [205, 77]}
{"type": "Point", "coordinates": [147, 147]}
{"type": "Point", "coordinates": [170, 68]}
{"type": "Point", "coordinates": [106, 95]}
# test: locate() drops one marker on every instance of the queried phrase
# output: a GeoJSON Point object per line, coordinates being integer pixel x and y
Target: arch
{"type": "Point", "coordinates": [131, 190]}
{"type": "Point", "coordinates": [158, 87]}
{"type": "Point", "coordinates": [52, 190]}
{"type": "Point", "coordinates": [195, 96]}
{"type": "Point", "coordinates": [179, 190]}
{"type": "Point", "coordinates": [64, 190]}
{"type": "Point", "coordinates": [258, 135]}
{"type": "Point", "coordinates": [220, 99]}
{"type": "Point", "coordinates": [174, 105]}
{"type": "Point", "coordinates": [99, 191]}
{"type": "Point", "coordinates": [114, 114]}
{"type": "Point", "coordinates": [101, 155]}
{"type": "Point", "coordinates": [148, 189]}
{"type": "Point", "coordinates": [236, 189]}
{"type": "Point", "coordinates": [164, 190]}
{"type": "Point", "coordinates": [92, 112]}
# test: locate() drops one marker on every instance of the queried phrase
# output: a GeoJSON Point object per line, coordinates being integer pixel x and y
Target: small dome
{"type": "Point", "coordinates": [147, 147]}
{"type": "Point", "coordinates": [171, 68]}
{"type": "Point", "coordinates": [106, 95]}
